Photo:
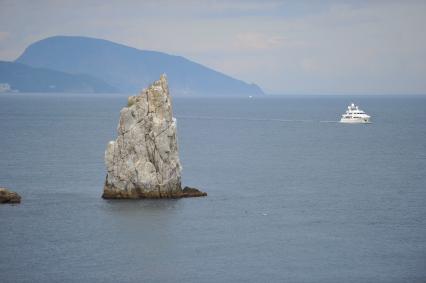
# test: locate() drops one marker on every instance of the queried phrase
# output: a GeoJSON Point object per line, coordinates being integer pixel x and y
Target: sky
{"type": "Point", "coordinates": [286, 47]}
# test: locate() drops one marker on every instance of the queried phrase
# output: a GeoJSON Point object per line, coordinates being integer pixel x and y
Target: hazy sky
{"type": "Point", "coordinates": [288, 47]}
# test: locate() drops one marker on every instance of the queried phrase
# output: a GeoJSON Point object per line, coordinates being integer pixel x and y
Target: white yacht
{"type": "Point", "coordinates": [355, 115]}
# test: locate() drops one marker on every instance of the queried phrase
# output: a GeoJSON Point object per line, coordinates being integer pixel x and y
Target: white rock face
{"type": "Point", "coordinates": [143, 162]}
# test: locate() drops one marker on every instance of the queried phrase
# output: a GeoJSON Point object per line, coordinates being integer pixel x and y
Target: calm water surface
{"type": "Point", "coordinates": [293, 195]}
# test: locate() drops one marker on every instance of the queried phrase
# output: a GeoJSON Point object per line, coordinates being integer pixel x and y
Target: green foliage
{"type": "Point", "coordinates": [130, 102]}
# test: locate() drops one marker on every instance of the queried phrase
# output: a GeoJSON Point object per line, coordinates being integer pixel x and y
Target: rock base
{"type": "Point", "coordinates": [187, 192]}
{"type": "Point", "coordinates": [7, 196]}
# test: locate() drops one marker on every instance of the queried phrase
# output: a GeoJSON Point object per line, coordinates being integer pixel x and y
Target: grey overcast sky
{"type": "Point", "coordinates": [286, 47]}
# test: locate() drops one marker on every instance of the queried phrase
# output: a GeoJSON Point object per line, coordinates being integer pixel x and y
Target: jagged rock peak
{"type": "Point", "coordinates": [143, 162]}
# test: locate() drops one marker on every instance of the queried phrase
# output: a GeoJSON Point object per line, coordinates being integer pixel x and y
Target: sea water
{"type": "Point", "coordinates": [293, 196]}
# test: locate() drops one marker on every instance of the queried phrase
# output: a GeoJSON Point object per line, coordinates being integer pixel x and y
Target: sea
{"type": "Point", "coordinates": [293, 195]}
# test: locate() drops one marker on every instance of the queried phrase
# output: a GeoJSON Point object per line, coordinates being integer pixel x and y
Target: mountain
{"type": "Point", "coordinates": [129, 69]}
{"type": "Point", "coordinates": [24, 78]}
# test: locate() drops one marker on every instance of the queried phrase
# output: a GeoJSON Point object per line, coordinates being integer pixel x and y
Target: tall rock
{"type": "Point", "coordinates": [143, 162]}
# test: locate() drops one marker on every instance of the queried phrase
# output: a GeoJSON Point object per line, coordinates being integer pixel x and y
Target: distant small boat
{"type": "Point", "coordinates": [354, 115]}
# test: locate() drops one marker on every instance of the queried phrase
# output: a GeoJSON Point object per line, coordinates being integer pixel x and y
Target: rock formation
{"type": "Point", "coordinates": [7, 196]}
{"type": "Point", "coordinates": [143, 162]}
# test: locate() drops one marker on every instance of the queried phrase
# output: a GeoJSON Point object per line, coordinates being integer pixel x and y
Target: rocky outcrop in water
{"type": "Point", "coordinates": [188, 192]}
{"type": "Point", "coordinates": [143, 162]}
{"type": "Point", "coordinates": [7, 196]}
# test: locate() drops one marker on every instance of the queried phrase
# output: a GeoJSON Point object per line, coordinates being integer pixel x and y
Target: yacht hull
{"type": "Point", "coordinates": [355, 121]}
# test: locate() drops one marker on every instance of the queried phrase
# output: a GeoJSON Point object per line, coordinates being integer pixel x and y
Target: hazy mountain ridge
{"type": "Point", "coordinates": [23, 78]}
{"type": "Point", "coordinates": [129, 69]}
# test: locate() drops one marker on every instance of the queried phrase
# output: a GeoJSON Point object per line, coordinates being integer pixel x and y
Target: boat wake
{"type": "Point", "coordinates": [251, 119]}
